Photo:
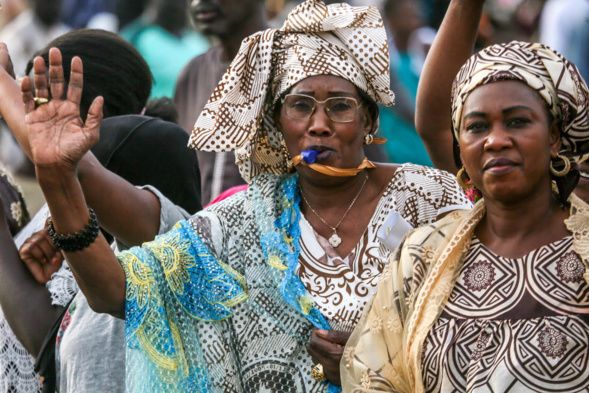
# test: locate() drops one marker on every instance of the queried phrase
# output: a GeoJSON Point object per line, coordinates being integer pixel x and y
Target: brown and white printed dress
{"type": "Point", "coordinates": [513, 325]}
{"type": "Point", "coordinates": [341, 287]}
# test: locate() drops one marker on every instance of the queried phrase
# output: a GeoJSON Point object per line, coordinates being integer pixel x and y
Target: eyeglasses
{"type": "Point", "coordinates": [338, 109]}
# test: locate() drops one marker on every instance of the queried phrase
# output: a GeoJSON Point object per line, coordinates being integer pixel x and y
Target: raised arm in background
{"type": "Point", "coordinates": [129, 214]}
{"type": "Point", "coordinates": [452, 47]}
{"type": "Point", "coordinates": [26, 303]}
{"type": "Point", "coordinates": [58, 140]}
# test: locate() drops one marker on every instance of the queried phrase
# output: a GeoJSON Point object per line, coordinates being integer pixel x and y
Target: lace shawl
{"type": "Point", "coordinates": [384, 352]}
{"type": "Point", "coordinates": [216, 298]}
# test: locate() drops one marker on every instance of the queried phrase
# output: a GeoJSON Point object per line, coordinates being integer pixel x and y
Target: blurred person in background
{"type": "Point", "coordinates": [31, 30]}
{"type": "Point", "coordinates": [92, 14]}
{"type": "Point", "coordinates": [408, 46]}
{"type": "Point", "coordinates": [564, 26]}
{"type": "Point", "coordinates": [163, 39]}
{"type": "Point", "coordinates": [229, 22]}
{"type": "Point", "coordinates": [10, 10]}
{"type": "Point", "coordinates": [128, 11]}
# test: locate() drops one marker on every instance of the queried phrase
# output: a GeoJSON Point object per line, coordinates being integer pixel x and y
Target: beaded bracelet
{"type": "Point", "coordinates": [79, 240]}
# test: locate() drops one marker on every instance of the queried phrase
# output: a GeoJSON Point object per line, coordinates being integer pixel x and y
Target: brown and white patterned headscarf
{"type": "Point", "coordinates": [556, 80]}
{"type": "Point", "coordinates": [316, 39]}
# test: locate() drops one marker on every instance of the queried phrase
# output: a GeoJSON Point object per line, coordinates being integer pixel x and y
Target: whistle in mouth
{"type": "Point", "coordinates": [309, 156]}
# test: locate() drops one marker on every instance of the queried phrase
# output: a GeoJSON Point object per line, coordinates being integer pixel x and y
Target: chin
{"type": "Point", "coordinates": [505, 192]}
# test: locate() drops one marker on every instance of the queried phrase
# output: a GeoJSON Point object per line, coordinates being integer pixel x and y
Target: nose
{"type": "Point", "coordinates": [320, 123]}
{"type": "Point", "coordinates": [498, 139]}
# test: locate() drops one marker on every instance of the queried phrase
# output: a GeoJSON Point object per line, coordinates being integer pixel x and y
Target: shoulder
{"type": "Point", "coordinates": [426, 180]}
{"type": "Point", "coordinates": [422, 194]}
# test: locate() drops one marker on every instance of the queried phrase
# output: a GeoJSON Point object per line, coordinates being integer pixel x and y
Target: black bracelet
{"type": "Point", "coordinates": [79, 240]}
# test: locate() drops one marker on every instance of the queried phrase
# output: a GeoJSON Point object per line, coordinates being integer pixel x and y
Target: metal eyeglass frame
{"type": "Point", "coordinates": [358, 105]}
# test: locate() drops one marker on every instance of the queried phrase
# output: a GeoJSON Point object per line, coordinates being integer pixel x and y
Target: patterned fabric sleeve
{"type": "Point", "coordinates": [170, 282]}
{"type": "Point", "coordinates": [424, 194]}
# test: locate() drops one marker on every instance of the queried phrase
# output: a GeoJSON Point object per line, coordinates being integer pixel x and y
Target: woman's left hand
{"type": "Point", "coordinates": [57, 135]}
{"type": "Point", "coordinates": [327, 347]}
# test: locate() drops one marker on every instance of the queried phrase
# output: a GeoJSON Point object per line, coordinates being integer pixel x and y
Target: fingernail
{"type": "Point", "coordinates": [55, 260]}
{"type": "Point", "coordinates": [322, 333]}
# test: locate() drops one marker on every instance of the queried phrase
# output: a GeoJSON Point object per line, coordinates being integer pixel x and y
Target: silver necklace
{"type": "Point", "coordinates": [335, 240]}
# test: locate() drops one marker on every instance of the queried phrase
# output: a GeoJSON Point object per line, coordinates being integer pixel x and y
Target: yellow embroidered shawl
{"type": "Point", "coordinates": [384, 351]}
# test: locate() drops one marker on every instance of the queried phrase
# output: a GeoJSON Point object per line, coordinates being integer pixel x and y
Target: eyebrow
{"type": "Point", "coordinates": [331, 93]}
{"type": "Point", "coordinates": [512, 108]}
{"type": "Point", "coordinates": [475, 114]}
{"type": "Point", "coordinates": [506, 110]}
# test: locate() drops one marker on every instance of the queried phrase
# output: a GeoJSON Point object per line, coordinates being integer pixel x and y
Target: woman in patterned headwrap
{"type": "Point", "coordinates": [231, 299]}
{"type": "Point", "coordinates": [494, 299]}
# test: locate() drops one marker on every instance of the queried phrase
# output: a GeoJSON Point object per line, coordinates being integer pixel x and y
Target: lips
{"type": "Point", "coordinates": [324, 152]}
{"type": "Point", "coordinates": [205, 13]}
{"type": "Point", "coordinates": [496, 164]}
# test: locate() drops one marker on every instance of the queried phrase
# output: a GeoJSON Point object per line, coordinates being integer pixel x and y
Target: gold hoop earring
{"type": "Point", "coordinates": [368, 139]}
{"type": "Point", "coordinates": [565, 170]}
{"type": "Point", "coordinates": [461, 181]}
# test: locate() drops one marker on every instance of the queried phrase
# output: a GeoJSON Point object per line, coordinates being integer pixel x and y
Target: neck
{"type": "Point", "coordinates": [232, 41]}
{"type": "Point", "coordinates": [509, 221]}
{"type": "Point", "coordinates": [320, 194]}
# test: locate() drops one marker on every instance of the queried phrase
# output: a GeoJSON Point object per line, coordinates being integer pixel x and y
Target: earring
{"type": "Point", "coordinates": [565, 170]}
{"type": "Point", "coordinates": [368, 139]}
{"type": "Point", "coordinates": [466, 185]}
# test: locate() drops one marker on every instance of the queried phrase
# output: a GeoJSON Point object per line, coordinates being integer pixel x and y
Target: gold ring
{"type": "Point", "coordinates": [40, 101]}
{"type": "Point", "coordinates": [317, 373]}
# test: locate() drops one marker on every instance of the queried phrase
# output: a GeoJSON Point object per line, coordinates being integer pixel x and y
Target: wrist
{"type": "Point", "coordinates": [51, 176]}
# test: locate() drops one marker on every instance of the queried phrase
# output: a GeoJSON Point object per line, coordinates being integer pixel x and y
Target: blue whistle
{"type": "Point", "coordinates": [309, 156]}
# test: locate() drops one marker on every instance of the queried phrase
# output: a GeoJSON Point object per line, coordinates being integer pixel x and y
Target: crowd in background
{"type": "Point", "coordinates": [168, 34]}
{"type": "Point", "coordinates": [187, 47]}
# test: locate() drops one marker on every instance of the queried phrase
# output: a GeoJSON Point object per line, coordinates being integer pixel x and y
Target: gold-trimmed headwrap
{"type": "Point", "coordinates": [316, 39]}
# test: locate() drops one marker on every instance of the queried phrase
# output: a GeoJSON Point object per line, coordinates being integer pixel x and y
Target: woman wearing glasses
{"type": "Point", "coordinates": [258, 292]}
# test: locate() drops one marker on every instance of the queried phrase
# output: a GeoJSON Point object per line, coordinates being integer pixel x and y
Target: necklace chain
{"type": "Point", "coordinates": [334, 229]}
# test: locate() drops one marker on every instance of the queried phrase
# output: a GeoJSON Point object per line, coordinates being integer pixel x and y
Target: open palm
{"type": "Point", "coordinates": [57, 135]}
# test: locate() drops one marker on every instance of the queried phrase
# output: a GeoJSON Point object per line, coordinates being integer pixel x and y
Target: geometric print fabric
{"type": "Point", "coordinates": [316, 39]}
{"type": "Point", "coordinates": [517, 325]}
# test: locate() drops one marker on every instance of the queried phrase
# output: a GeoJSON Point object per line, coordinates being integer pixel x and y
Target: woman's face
{"type": "Point", "coordinates": [340, 144]}
{"type": "Point", "coordinates": [506, 141]}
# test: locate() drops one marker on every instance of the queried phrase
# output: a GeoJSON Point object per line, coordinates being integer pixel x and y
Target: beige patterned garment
{"type": "Point", "coordinates": [385, 351]}
{"type": "Point", "coordinates": [543, 69]}
{"type": "Point", "coordinates": [341, 287]}
{"type": "Point", "coordinates": [349, 42]}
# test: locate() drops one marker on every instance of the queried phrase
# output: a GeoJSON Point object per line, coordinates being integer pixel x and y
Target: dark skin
{"type": "Point", "coordinates": [94, 178]}
{"type": "Point", "coordinates": [41, 256]}
{"type": "Point", "coordinates": [452, 47]}
{"type": "Point", "coordinates": [59, 140]}
{"type": "Point", "coordinates": [125, 203]}
{"type": "Point", "coordinates": [345, 141]}
{"type": "Point", "coordinates": [228, 20]}
{"type": "Point", "coordinates": [506, 142]}
{"type": "Point", "coordinates": [25, 301]}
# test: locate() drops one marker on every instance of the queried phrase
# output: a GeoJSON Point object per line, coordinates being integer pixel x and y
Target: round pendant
{"type": "Point", "coordinates": [335, 240]}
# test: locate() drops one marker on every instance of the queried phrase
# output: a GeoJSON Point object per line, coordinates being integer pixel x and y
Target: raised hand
{"type": "Point", "coordinates": [57, 135]}
{"type": "Point", "coordinates": [5, 60]}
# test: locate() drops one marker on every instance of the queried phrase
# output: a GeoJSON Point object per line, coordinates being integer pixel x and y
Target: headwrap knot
{"type": "Point", "coordinates": [316, 39]}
